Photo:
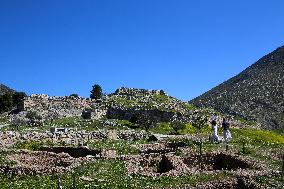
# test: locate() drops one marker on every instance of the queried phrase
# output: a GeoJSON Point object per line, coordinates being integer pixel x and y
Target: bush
{"type": "Point", "coordinates": [177, 126]}
{"type": "Point", "coordinates": [33, 115]}
{"type": "Point", "coordinates": [86, 114]}
{"type": "Point", "coordinates": [74, 95]}
{"type": "Point", "coordinates": [163, 128]}
{"type": "Point", "coordinates": [188, 129]}
{"type": "Point", "coordinates": [16, 123]}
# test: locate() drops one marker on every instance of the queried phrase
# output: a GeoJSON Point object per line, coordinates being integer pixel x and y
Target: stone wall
{"type": "Point", "coordinates": [42, 101]}
{"type": "Point", "coordinates": [134, 91]}
{"type": "Point", "coordinates": [56, 107]}
{"type": "Point", "coordinates": [71, 137]}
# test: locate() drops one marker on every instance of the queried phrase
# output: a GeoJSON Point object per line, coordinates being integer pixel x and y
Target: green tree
{"type": "Point", "coordinates": [18, 98]}
{"type": "Point", "coordinates": [96, 92]}
{"type": "Point", "coordinates": [6, 102]}
{"type": "Point", "coordinates": [146, 120]}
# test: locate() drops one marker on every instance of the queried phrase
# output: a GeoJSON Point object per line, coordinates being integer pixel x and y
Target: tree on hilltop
{"type": "Point", "coordinates": [96, 92]}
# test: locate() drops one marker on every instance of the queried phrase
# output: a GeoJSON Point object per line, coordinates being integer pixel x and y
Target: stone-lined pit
{"type": "Point", "coordinates": [172, 165]}
{"type": "Point", "coordinates": [39, 162]}
{"type": "Point", "coordinates": [216, 162]}
{"type": "Point", "coordinates": [72, 151]}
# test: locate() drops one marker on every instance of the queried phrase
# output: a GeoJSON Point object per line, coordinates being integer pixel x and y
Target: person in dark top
{"type": "Point", "coordinates": [226, 130]}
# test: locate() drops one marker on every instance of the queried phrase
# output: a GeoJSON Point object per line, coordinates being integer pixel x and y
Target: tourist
{"type": "Point", "coordinates": [215, 136]}
{"type": "Point", "coordinates": [226, 131]}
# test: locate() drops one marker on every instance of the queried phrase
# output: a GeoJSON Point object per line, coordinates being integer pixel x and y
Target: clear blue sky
{"type": "Point", "coordinates": [185, 47]}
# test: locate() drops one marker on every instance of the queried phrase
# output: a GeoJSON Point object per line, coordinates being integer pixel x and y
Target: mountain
{"type": "Point", "coordinates": [4, 89]}
{"type": "Point", "coordinates": [256, 94]}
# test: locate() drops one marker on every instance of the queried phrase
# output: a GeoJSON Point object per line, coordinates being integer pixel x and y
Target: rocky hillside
{"type": "Point", "coordinates": [257, 93]}
{"type": "Point", "coordinates": [135, 105]}
{"type": "Point", "coordinates": [4, 89]}
{"type": "Point", "coordinates": [131, 103]}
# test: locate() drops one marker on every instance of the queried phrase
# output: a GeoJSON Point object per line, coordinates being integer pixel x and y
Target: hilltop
{"type": "Point", "coordinates": [135, 105]}
{"type": "Point", "coordinates": [4, 89]}
{"type": "Point", "coordinates": [254, 94]}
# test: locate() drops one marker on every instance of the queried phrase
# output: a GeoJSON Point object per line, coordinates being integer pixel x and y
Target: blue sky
{"type": "Point", "coordinates": [185, 47]}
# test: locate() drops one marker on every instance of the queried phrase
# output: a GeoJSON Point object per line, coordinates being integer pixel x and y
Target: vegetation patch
{"type": "Point", "coordinates": [121, 146]}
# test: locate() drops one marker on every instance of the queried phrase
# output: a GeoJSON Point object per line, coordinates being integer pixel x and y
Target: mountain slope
{"type": "Point", "coordinates": [4, 89]}
{"type": "Point", "coordinates": [257, 93]}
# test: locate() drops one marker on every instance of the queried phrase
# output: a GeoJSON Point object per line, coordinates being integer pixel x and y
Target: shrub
{"type": "Point", "coordinates": [86, 114]}
{"type": "Point", "coordinates": [163, 128]}
{"type": "Point", "coordinates": [178, 126]}
{"type": "Point", "coordinates": [187, 129]}
{"type": "Point", "coordinates": [33, 115]}
{"type": "Point", "coordinates": [74, 95]}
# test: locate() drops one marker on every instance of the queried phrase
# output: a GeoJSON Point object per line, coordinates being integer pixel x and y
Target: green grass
{"type": "Point", "coordinates": [31, 145]}
{"type": "Point", "coordinates": [188, 129]}
{"type": "Point", "coordinates": [162, 128]}
{"type": "Point", "coordinates": [255, 136]}
{"type": "Point", "coordinates": [67, 121]}
{"type": "Point", "coordinates": [166, 128]}
{"type": "Point", "coordinates": [121, 146]}
{"type": "Point", "coordinates": [3, 159]}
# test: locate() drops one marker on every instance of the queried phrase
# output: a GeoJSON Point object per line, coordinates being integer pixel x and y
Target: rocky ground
{"type": "Point", "coordinates": [111, 158]}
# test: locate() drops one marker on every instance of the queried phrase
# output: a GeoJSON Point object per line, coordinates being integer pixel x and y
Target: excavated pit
{"type": "Point", "coordinates": [72, 151]}
{"type": "Point", "coordinates": [165, 165]}
{"type": "Point", "coordinates": [172, 165]}
{"type": "Point", "coordinates": [216, 162]}
{"type": "Point", "coordinates": [38, 162]}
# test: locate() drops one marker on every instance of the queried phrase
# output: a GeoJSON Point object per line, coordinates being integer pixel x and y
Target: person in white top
{"type": "Point", "coordinates": [215, 136]}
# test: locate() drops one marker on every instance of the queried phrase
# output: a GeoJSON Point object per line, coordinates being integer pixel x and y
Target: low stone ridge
{"type": "Point", "coordinates": [70, 138]}
{"type": "Point", "coordinates": [254, 94]}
